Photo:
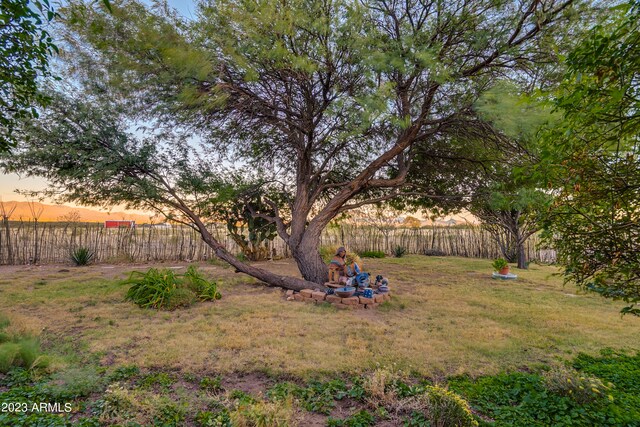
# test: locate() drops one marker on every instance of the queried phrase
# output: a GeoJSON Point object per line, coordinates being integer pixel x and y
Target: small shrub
{"type": "Point", "coordinates": [580, 387]}
{"type": "Point", "coordinates": [81, 256]}
{"type": "Point", "coordinates": [399, 251]}
{"type": "Point", "coordinates": [443, 408]}
{"type": "Point", "coordinates": [8, 356]}
{"type": "Point", "coordinates": [201, 287]}
{"type": "Point", "coordinates": [372, 254]}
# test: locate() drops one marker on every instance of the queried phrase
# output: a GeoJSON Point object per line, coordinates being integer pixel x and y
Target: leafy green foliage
{"type": "Point", "coordinates": [317, 397]}
{"type": "Point", "coordinates": [529, 399]}
{"type": "Point", "coordinates": [592, 160]}
{"type": "Point", "coordinates": [167, 290]}
{"type": "Point", "coordinates": [361, 418]}
{"type": "Point", "coordinates": [124, 372]}
{"type": "Point", "coordinates": [81, 256]}
{"type": "Point", "coordinates": [157, 379]}
{"type": "Point", "coordinates": [73, 383]}
{"type": "Point", "coordinates": [170, 414]}
{"type": "Point", "coordinates": [213, 385]}
{"type": "Point", "coordinates": [25, 49]}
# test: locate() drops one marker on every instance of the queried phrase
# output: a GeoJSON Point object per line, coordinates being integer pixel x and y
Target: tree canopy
{"type": "Point", "coordinates": [337, 104]}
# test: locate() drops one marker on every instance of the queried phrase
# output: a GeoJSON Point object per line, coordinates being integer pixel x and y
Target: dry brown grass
{"type": "Point", "coordinates": [447, 317]}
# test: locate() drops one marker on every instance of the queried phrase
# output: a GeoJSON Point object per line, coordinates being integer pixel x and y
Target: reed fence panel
{"type": "Point", "coordinates": [28, 242]}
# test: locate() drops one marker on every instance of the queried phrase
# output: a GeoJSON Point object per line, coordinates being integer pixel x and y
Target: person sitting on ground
{"type": "Point", "coordinates": [338, 264]}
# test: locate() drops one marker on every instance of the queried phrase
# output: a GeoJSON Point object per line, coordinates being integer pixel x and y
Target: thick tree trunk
{"type": "Point", "coordinates": [309, 261]}
{"type": "Point", "coordinates": [522, 255]}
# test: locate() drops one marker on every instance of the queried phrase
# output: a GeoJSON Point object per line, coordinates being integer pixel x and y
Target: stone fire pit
{"type": "Point", "coordinates": [351, 303]}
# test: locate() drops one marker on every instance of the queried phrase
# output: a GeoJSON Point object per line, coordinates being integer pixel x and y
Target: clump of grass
{"type": "Point", "coordinates": [17, 350]}
{"type": "Point", "coordinates": [81, 256]}
{"type": "Point", "coordinates": [380, 388]}
{"type": "Point", "coordinates": [164, 289]}
{"type": "Point", "coordinates": [372, 254]}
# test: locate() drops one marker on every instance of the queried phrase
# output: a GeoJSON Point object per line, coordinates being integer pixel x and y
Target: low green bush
{"type": "Point", "coordinates": [372, 254]}
{"type": "Point", "coordinates": [164, 289]}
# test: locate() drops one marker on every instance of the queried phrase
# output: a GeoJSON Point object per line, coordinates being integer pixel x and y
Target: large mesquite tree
{"type": "Point", "coordinates": [331, 100]}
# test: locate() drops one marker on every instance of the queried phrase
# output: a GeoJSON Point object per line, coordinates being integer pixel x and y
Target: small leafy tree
{"type": "Point", "coordinates": [594, 161]}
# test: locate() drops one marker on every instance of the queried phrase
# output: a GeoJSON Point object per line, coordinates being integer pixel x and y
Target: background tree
{"type": "Point", "coordinates": [508, 199]}
{"type": "Point", "coordinates": [335, 100]}
{"type": "Point", "coordinates": [594, 161]}
{"type": "Point", "coordinates": [512, 213]}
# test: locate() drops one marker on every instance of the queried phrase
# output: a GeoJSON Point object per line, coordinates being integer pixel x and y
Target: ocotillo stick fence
{"type": "Point", "coordinates": [22, 242]}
